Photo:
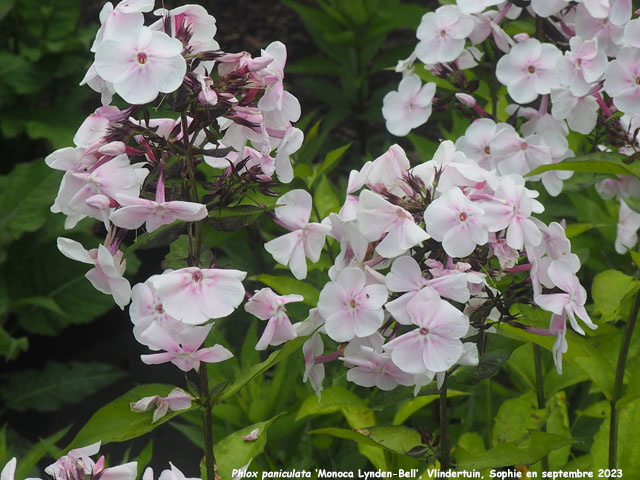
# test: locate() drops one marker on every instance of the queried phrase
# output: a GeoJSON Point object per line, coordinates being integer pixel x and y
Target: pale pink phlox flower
{"type": "Point", "coordinates": [194, 295]}
{"type": "Point", "coordinates": [305, 240]}
{"type": "Point", "coordinates": [476, 6]}
{"type": "Point", "coordinates": [273, 76]}
{"type": "Point", "coordinates": [476, 142]}
{"type": "Point", "coordinates": [200, 24]}
{"type": "Point", "coordinates": [435, 345]}
{"type": "Point", "coordinates": [622, 80]}
{"type": "Point", "coordinates": [454, 167]}
{"type": "Point", "coordinates": [377, 217]}
{"type": "Point", "coordinates": [267, 305]}
{"type": "Point", "coordinates": [406, 276]}
{"type": "Point", "coordinates": [558, 150]}
{"type": "Point", "coordinates": [289, 144]}
{"type": "Point", "coordinates": [582, 66]}
{"type": "Point", "coordinates": [107, 274]}
{"type": "Point", "coordinates": [182, 348]}
{"type": "Point", "coordinates": [66, 467]}
{"type": "Point", "coordinates": [518, 155]}
{"type": "Point", "coordinates": [117, 22]}
{"type": "Point", "coordinates": [627, 229]}
{"type": "Point", "coordinates": [529, 70]}
{"type": "Point", "coordinates": [146, 308]}
{"type": "Point", "coordinates": [507, 256]}
{"type": "Point", "coordinates": [108, 178]}
{"type": "Point", "coordinates": [457, 222]}
{"type": "Point", "coordinates": [177, 400]}
{"type": "Point", "coordinates": [624, 186]}
{"type": "Point", "coordinates": [350, 307]}
{"type": "Point", "coordinates": [313, 372]}
{"type": "Point", "coordinates": [95, 126]}
{"type": "Point", "coordinates": [134, 211]}
{"type": "Point", "coordinates": [99, 85]}
{"type": "Point", "coordinates": [442, 35]}
{"type": "Point", "coordinates": [546, 8]}
{"type": "Point", "coordinates": [70, 159]}
{"type": "Point", "coordinates": [607, 33]}
{"type": "Point", "coordinates": [357, 179]}
{"type": "Point", "coordinates": [207, 95]}
{"type": "Point", "coordinates": [409, 107]}
{"type": "Point", "coordinates": [370, 367]}
{"type": "Point", "coordinates": [142, 64]}
{"type": "Point", "coordinates": [353, 246]}
{"type": "Point", "coordinates": [511, 208]}
{"type": "Point", "coordinates": [484, 26]}
{"type": "Point", "coordinates": [632, 33]}
{"type": "Point", "coordinates": [617, 11]}
{"type": "Point", "coordinates": [557, 328]}
{"type": "Point", "coordinates": [581, 113]}
{"type": "Point", "coordinates": [538, 120]}
{"type": "Point", "coordinates": [572, 301]}
{"type": "Point", "coordinates": [387, 172]}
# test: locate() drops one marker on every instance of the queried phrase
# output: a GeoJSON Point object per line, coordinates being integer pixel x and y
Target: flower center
{"type": "Point", "coordinates": [142, 58]}
{"type": "Point", "coordinates": [579, 62]}
{"type": "Point", "coordinates": [637, 80]}
{"type": "Point", "coordinates": [523, 146]}
{"type": "Point", "coordinates": [487, 150]}
{"type": "Point", "coordinates": [462, 217]}
{"type": "Point", "coordinates": [531, 69]}
{"type": "Point", "coordinates": [424, 331]}
{"type": "Point", "coordinates": [159, 309]}
{"type": "Point", "coordinates": [443, 33]}
{"type": "Point", "coordinates": [197, 277]}
{"type": "Point", "coordinates": [353, 304]}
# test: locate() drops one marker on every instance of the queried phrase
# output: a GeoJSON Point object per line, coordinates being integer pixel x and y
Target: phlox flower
{"type": "Point", "coordinates": [141, 65]}
{"type": "Point", "coordinates": [476, 142]}
{"type": "Point", "coordinates": [581, 66]}
{"type": "Point", "coordinates": [435, 346]}
{"type": "Point", "coordinates": [107, 274]}
{"type": "Point", "coordinates": [371, 368]}
{"type": "Point", "coordinates": [511, 210]}
{"type": "Point", "coordinates": [572, 301]}
{"type": "Point", "coordinates": [200, 24]}
{"type": "Point", "coordinates": [117, 22]}
{"type": "Point", "coordinates": [273, 76]}
{"type": "Point", "coordinates": [134, 211]}
{"type": "Point", "coordinates": [267, 305]}
{"type": "Point", "coordinates": [627, 229]}
{"type": "Point", "coordinates": [581, 113]}
{"type": "Point", "coordinates": [146, 308]}
{"type": "Point", "coordinates": [516, 154]}
{"type": "Point", "coordinates": [607, 33]}
{"type": "Point", "coordinates": [350, 307]}
{"type": "Point", "coordinates": [9, 470]}
{"type": "Point", "coordinates": [376, 217]}
{"type": "Point", "coordinates": [476, 6]}
{"type": "Point", "coordinates": [67, 467]}
{"type": "Point", "coordinates": [194, 295]}
{"type": "Point", "coordinates": [546, 8]}
{"type": "Point", "coordinates": [618, 11]}
{"type": "Point", "coordinates": [305, 240]}
{"type": "Point", "coordinates": [182, 349]}
{"type": "Point", "coordinates": [173, 474]}
{"type": "Point", "coordinates": [313, 372]}
{"type": "Point", "coordinates": [529, 69]}
{"type": "Point", "coordinates": [442, 35]}
{"type": "Point", "coordinates": [388, 171]}
{"type": "Point", "coordinates": [177, 399]}
{"type": "Point", "coordinates": [622, 80]}
{"type": "Point", "coordinates": [457, 222]}
{"type": "Point", "coordinates": [409, 107]}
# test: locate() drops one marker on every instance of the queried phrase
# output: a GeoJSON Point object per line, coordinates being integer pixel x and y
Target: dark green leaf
{"type": "Point", "coordinates": [56, 385]}
{"type": "Point", "coordinates": [233, 219]}
{"type": "Point", "coordinates": [11, 347]}
{"type": "Point", "coordinates": [36, 453]}
{"type": "Point", "coordinates": [601, 162]}
{"type": "Point", "coordinates": [161, 237]}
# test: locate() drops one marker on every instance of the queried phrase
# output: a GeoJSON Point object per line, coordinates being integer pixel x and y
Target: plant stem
{"type": "Point", "coordinates": [617, 388]}
{"type": "Point", "coordinates": [445, 447]}
{"type": "Point", "coordinates": [209, 457]}
{"type": "Point", "coordinates": [537, 359]}
{"type": "Point", "coordinates": [188, 160]}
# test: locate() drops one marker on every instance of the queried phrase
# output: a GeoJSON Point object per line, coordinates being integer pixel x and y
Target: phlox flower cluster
{"type": "Point", "coordinates": [137, 174]}
{"type": "Point", "coordinates": [583, 68]}
{"type": "Point", "coordinates": [422, 252]}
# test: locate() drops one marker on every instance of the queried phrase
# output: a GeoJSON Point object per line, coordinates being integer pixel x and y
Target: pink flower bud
{"type": "Point", "coordinates": [521, 37]}
{"type": "Point", "coordinates": [466, 100]}
{"type": "Point", "coordinates": [101, 202]}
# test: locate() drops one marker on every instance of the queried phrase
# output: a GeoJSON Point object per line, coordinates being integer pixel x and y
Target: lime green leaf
{"type": "Point", "coordinates": [628, 440]}
{"type": "Point", "coordinates": [325, 198]}
{"type": "Point", "coordinates": [558, 424]}
{"type": "Point", "coordinates": [338, 399]}
{"type": "Point", "coordinates": [287, 285]}
{"type": "Point", "coordinates": [115, 422]}
{"type": "Point", "coordinates": [609, 290]}
{"type": "Point", "coordinates": [232, 452]}
{"type": "Point", "coordinates": [36, 453]}
{"type": "Point", "coordinates": [601, 162]}
{"type": "Point", "coordinates": [56, 385]}
{"type": "Point", "coordinates": [525, 452]}
{"type": "Point", "coordinates": [331, 159]}
{"type": "Point", "coordinates": [409, 407]}
{"type": "Point", "coordinates": [396, 439]}
{"type": "Point", "coordinates": [516, 417]}
{"type": "Point", "coordinates": [245, 376]}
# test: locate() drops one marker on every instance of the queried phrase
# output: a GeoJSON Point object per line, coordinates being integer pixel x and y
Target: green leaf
{"type": "Point", "coordinates": [396, 438]}
{"type": "Point", "coordinates": [53, 19]}
{"type": "Point", "coordinates": [11, 347]}
{"type": "Point", "coordinates": [601, 162]}
{"type": "Point", "coordinates": [56, 385]}
{"type": "Point", "coordinates": [116, 422]}
{"type": "Point", "coordinates": [338, 399]}
{"type": "Point", "coordinates": [19, 74]}
{"type": "Point", "coordinates": [245, 376]}
{"type": "Point", "coordinates": [516, 417]}
{"type": "Point", "coordinates": [609, 289]}
{"type": "Point", "coordinates": [233, 452]}
{"type": "Point", "coordinates": [287, 285]}
{"type": "Point", "coordinates": [558, 424]}
{"type": "Point", "coordinates": [21, 212]}
{"type": "Point", "coordinates": [331, 159]}
{"type": "Point", "coordinates": [42, 302]}
{"type": "Point", "coordinates": [409, 407]}
{"type": "Point", "coordinates": [234, 219]}
{"type": "Point", "coordinates": [496, 354]}
{"type": "Point", "coordinates": [161, 237]}
{"type": "Point", "coordinates": [525, 452]}
{"type": "Point", "coordinates": [144, 457]}
{"type": "Point", "coordinates": [178, 255]}
{"type": "Point", "coordinates": [425, 147]}
{"type": "Point", "coordinates": [325, 198]}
